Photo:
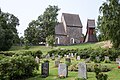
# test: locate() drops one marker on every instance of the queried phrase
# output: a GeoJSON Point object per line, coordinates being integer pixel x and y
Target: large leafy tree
{"type": "Point", "coordinates": [109, 21]}
{"type": "Point", "coordinates": [8, 31]}
{"type": "Point", "coordinates": [44, 26]}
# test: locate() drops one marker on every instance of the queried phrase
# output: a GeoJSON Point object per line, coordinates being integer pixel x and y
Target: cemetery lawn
{"type": "Point", "coordinates": [114, 74]}
{"type": "Point", "coordinates": [45, 49]}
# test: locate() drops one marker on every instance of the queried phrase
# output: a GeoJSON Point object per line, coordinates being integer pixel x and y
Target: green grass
{"type": "Point", "coordinates": [45, 49]}
{"type": "Point", "coordinates": [53, 72]}
{"type": "Point", "coordinates": [114, 74]}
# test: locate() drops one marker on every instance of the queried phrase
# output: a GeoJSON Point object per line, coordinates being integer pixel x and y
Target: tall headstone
{"type": "Point", "coordinates": [82, 71]}
{"type": "Point", "coordinates": [45, 69]}
{"type": "Point", "coordinates": [62, 70]}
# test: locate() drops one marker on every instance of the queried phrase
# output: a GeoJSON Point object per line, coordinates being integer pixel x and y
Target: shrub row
{"type": "Point", "coordinates": [24, 53]}
{"type": "Point", "coordinates": [90, 68]}
{"type": "Point", "coordinates": [89, 52]}
{"type": "Point", "coordinates": [17, 67]}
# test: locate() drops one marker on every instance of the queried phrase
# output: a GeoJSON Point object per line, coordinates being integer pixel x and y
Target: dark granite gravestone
{"type": "Point", "coordinates": [45, 69]}
{"type": "Point", "coordinates": [68, 61]}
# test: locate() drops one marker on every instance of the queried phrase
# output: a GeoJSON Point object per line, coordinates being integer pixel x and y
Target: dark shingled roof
{"type": "Point", "coordinates": [72, 19]}
{"type": "Point", "coordinates": [59, 29]}
{"type": "Point", "coordinates": [91, 23]}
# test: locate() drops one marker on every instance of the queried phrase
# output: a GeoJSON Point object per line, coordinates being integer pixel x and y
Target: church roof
{"type": "Point", "coordinates": [72, 19]}
{"type": "Point", "coordinates": [91, 23]}
{"type": "Point", "coordinates": [59, 29]}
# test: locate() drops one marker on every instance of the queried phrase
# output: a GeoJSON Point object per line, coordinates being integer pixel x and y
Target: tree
{"type": "Point", "coordinates": [8, 31]}
{"type": "Point", "coordinates": [31, 33]}
{"type": "Point", "coordinates": [50, 40]}
{"type": "Point", "coordinates": [44, 26]}
{"type": "Point", "coordinates": [109, 21]}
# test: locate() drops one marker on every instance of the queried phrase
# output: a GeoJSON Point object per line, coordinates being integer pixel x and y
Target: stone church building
{"type": "Point", "coordinates": [69, 30]}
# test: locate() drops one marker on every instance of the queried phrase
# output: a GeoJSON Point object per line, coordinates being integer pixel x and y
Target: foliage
{"type": "Point", "coordinates": [43, 27]}
{"type": "Point", "coordinates": [17, 67]}
{"type": "Point", "coordinates": [8, 31]}
{"type": "Point", "coordinates": [99, 75]}
{"type": "Point", "coordinates": [50, 40]}
{"type": "Point", "coordinates": [109, 21]}
{"type": "Point", "coordinates": [37, 53]}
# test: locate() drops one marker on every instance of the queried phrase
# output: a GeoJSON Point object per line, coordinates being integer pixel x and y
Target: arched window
{"type": "Point", "coordinates": [57, 40]}
{"type": "Point", "coordinates": [72, 41]}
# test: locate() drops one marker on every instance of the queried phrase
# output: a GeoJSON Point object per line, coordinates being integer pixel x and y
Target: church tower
{"type": "Point", "coordinates": [90, 34]}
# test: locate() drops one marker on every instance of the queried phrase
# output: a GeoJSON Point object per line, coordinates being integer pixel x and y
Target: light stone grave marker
{"type": "Point", "coordinates": [37, 59]}
{"type": "Point", "coordinates": [117, 60]}
{"type": "Point", "coordinates": [82, 71]}
{"type": "Point", "coordinates": [72, 55]}
{"type": "Point", "coordinates": [62, 70]}
{"type": "Point", "coordinates": [78, 57]}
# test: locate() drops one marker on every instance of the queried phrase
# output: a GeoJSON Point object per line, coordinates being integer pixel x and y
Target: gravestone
{"type": "Point", "coordinates": [107, 58]}
{"type": "Point", "coordinates": [68, 61]}
{"type": "Point", "coordinates": [53, 57]}
{"type": "Point", "coordinates": [78, 57]}
{"type": "Point", "coordinates": [82, 71]}
{"type": "Point", "coordinates": [37, 59]}
{"type": "Point", "coordinates": [67, 56]}
{"type": "Point", "coordinates": [72, 55]}
{"type": "Point", "coordinates": [59, 57]}
{"type": "Point", "coordinates": [45, 69]}
{"type": "Point", "coordinates": [62, 70]}
{"type": "Point", "coordinates": [57, 63]}
{"type": "Point", "coordinates": [117, 60]}
{"type": "Point", "coordinates": [97, 59]}
{"type": "Point", "coordinates": [87, 60]}
{"type": "Point", "coordinates": [47, 56]}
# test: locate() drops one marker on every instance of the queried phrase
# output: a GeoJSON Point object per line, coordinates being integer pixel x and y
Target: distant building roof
{"type": "Point", "coordinates": [72, 19]}
{"type": "Point", "coordinates": [59, 29]}
{"type": "Point", "coordinates": [91, 23]}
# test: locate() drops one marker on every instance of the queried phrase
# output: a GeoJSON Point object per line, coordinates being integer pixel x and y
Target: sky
{"type": "Point", "coordinates": [28, 10]}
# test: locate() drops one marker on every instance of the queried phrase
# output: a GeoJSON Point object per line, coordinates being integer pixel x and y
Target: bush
{"type": "Point", "coordinates": [17, 67]}
{"type": "Point", "coordinates": [30, 53]}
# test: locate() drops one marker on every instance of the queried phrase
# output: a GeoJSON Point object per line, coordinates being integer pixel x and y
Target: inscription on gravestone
{"type": "Point", "coordinates": [62, 70]}
{"type": "Point", "coordinates": [45, 69]}
{"type": "Point", "coordinates": [82, 72]}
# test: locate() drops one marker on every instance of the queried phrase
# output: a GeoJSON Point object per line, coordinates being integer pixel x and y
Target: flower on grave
{"type": "Point", "coordinates": [118, 67]}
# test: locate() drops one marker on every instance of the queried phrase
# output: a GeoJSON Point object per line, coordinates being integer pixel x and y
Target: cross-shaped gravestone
{"type": "Point", "coordinates": [62, 70]}
{"type": "Point", "coordinates": [82, 71]}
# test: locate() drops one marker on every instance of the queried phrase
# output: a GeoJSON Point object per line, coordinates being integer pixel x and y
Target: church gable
{"type": "Point", "coordinates": [72, 20]}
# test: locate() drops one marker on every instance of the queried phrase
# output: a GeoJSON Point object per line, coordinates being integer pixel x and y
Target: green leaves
{"type": "Point", "coordinates": [109, 21]}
